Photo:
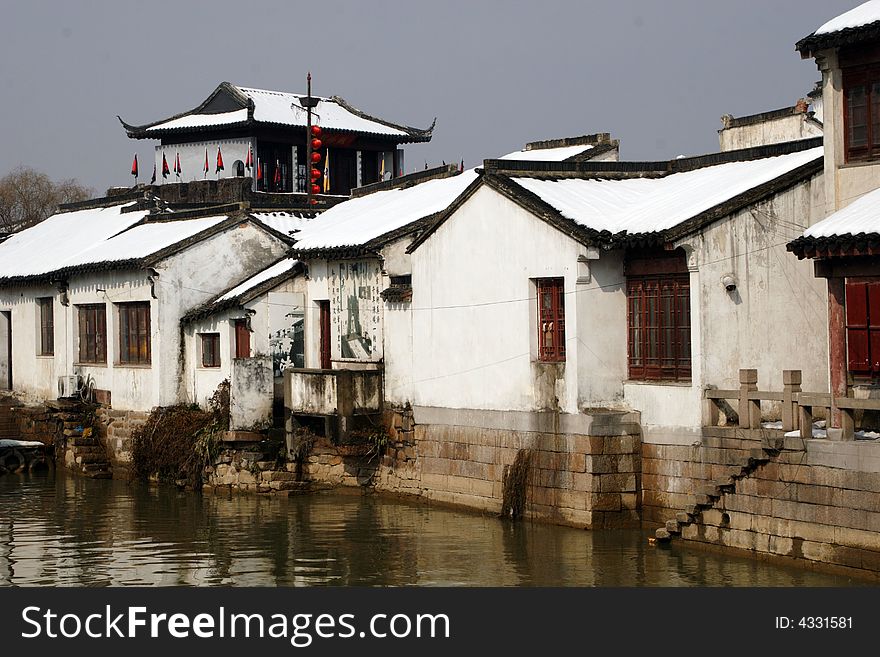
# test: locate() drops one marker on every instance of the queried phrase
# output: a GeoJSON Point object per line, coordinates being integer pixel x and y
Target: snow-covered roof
{"type": "Point", "coordinates": [362, 219]}
{"type": "Point", "coordinates": [245, 105]}
{"type": "Point", "coordinates": [279, 268]}
{"type": "Point", "coordinates": [283, 221]}
{"type": "Point", "coordinates": [87, 237]}
{"type": "Point", "coordinates": [547, 154]}
{"type": "Point", "coordinates": [861, 217]}
{"type": "Point", "coordinates": [864, 14]}
{"type": "Point", "coordinates": [286, 109]}
{"type": "Point", "coordinates": [202, 120]}
{"type": "Point", "coordinates": [648, 205]}
{"type": "Point", "coordinates": [60, 240]}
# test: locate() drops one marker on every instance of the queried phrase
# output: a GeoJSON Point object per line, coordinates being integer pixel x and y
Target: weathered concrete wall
{"type": "Point", "coordinates": [251, 393]}
{"type": "Point", "coordinates": [771, 131]}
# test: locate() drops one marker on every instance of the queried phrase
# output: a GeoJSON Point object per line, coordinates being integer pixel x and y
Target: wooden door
{"type": "Point", "coordinates": [324, 307]}
{"type": "Point", "coordinates": [242, 339]}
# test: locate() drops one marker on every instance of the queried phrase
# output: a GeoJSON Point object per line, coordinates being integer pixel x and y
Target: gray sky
{"type": "Point", "coordinates": [657, 75]}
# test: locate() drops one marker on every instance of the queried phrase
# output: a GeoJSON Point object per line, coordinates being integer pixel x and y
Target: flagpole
{"type": "Point", "coordinates": [309, 103]}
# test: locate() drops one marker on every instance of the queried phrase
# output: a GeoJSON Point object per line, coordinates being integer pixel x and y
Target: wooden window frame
{"type": "Point", "coordinates": [46, 307]}
{"type": "Point", "coordinates": [658, 327]}
{"type": "Point", "coordinates": [867, 76]}
{"type": "Point", "coordinates": [862, 322]}
{"type": "Point", "coordinates": [550, 293]}
{"type": "Point", "coordinates": [92, 343]}
{"type": "Point", "coordinates": [134, 333]}
{"type": "Point", "coordinates": [212, 339]}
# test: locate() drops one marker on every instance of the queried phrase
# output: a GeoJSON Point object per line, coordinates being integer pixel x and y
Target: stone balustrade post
{"type": "Point", "coordinates": [749, 409]}
{"type": "Point", "coordinates": [791, 385]}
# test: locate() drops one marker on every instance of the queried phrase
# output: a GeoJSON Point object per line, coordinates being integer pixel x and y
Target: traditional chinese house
{"type": "Point", "coordinates": [261, 134]}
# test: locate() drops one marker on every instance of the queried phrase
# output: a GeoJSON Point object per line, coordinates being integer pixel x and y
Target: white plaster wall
{"type": "Point", "coordinates": [772, 131]}
{"type": "Point", "coordinates": [323, 284]}
{"type": "Point", "coordinates": [198, 273]}
{"type": "Point", "coordinates": [474, 330]}
{"type": "Point", "coordinates": [775, 319]}
{"type": "Point", "coordinates": [192, 160]}
{"type": "Point", "coordinates": [601, 350]}
{"type": "Point", "coordinates": [201, 382]}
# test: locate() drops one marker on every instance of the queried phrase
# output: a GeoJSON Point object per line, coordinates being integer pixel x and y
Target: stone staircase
{"type": "Point", "coordinates": [84, 453]}
{"type": "Point", "coordinates": [708, 495]}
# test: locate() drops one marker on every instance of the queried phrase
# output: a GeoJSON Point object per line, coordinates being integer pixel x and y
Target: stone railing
{"type": "Point", "coordinates": [797, 406]}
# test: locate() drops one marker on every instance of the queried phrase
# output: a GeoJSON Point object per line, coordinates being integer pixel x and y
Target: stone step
{"type": "Point", "coordinates": [91, 458]}
{"type": "Point", "coordinates": [662, 535]}
{"type": "Point", "coordinates": [82, 441]}
{"type": "Point", "coordinates": [692, 509]}
{"type": "Point", "coordinates": [702, 500]}
{"type": "Point", "coordinates": [710, 490]}
{"type": "Point", "coordinates": [684, 518]}
{"type": "Point", "coordinates": [88, 451]}
{"type": "Point", "coordinates": [673, 527]}
{"type": "Point", "coordinates": [758, 455]}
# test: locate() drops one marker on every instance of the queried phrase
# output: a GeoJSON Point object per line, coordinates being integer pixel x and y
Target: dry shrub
{"type": "Point", "coordinates": [177, 442]}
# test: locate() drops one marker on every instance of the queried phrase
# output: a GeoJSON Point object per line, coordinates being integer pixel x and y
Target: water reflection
{"type": "Point", "coordinates": [61, 530]}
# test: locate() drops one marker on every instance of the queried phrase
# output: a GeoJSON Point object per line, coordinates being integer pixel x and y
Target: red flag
{"type": "Point", "coordinates": [219, 161]}
{"type": "Point", "coordinates": [277, 172]}
{"type": "Point", "coordinates": [206, 163]}
{"type": "Point", "coordinates": [165, 171]}
{"type": "Point", "coordinates": [177, 168]}
{"type": "Point", "coordinates": [249, 160]}
{"type": "Point", "coordinates": [259, 171]}
{"type": "Point", "coordinates": [134, 166]}
{"type": "Point", "coordinates": [153, 179]}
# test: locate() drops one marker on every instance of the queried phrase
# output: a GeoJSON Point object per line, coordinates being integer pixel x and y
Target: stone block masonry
{"type": "Point", "coordinates": [585, 474]}
{"type": "Point", "coordinates": [807, 500]}
{"type": "Point", "coordinates": [115, 428]}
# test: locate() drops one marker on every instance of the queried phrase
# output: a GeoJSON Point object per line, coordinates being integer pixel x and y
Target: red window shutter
{"type": "Point", "coordinates": [857, 339]}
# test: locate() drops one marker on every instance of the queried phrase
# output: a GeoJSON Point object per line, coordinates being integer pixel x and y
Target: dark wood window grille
{"type": "Point", "coordinates": [551, 319]}
{"type": "Point", "coordinates": [210, 349]}
{"type": "Point", "coordinates": [658, 316]}
{"type": "Point", "coordinates": [92, 334]}
{"type": "Point", "coordinates": [134, 333]}
{"type": "Point", "coordinates": [863, 328]}
{"type": "Point", "coordinates": [47, 326]}
{"type": "Point", "coordinates": [242, 339]}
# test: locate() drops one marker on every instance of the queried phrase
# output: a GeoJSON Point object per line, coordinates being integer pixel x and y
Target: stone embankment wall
{"type": "Point", "coordinates": [115, 429]}
{"type": "Point", "coordinates": [815, 500]}
{"type": "Point", "coordinates": [588, 477]}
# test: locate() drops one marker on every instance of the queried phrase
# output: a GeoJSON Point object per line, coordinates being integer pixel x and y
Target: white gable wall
{"type": "Point", "coordinates": [474, 313]}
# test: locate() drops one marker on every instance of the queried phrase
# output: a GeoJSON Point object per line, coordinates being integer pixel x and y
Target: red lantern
{"type": "Point", "coordinates": [316, 157]}
{"type": "Point", "coordinates": [315, 174]}
{"type": "Point", "coordinates": [316, 144]}
{"type": "Point", "coordinates": [316, 131]}
{"type": "Point", "coordinates": [316, 189]}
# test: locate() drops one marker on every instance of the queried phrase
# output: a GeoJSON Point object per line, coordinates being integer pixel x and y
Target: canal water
{"type": "Point", "coordinates": [58, 530]}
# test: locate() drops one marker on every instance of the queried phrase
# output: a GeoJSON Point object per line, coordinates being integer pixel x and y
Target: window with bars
{"type": "Point", "coordinates": [861, 90]}
{"type": "Point", "coordinates": [47, 326]}
{"type": "Point", "coordinates": [134, 333]}
{"type": "Point", "coordinates": [658, 317]}
{"type": "Point", "coordinates": [863, 328]}
{"type": "Point", "coordinates": [551, 319]}
{"type": "Point", "coordinates": [210, 349]}
{"type": "Point", "coordinates": [92, 333]}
